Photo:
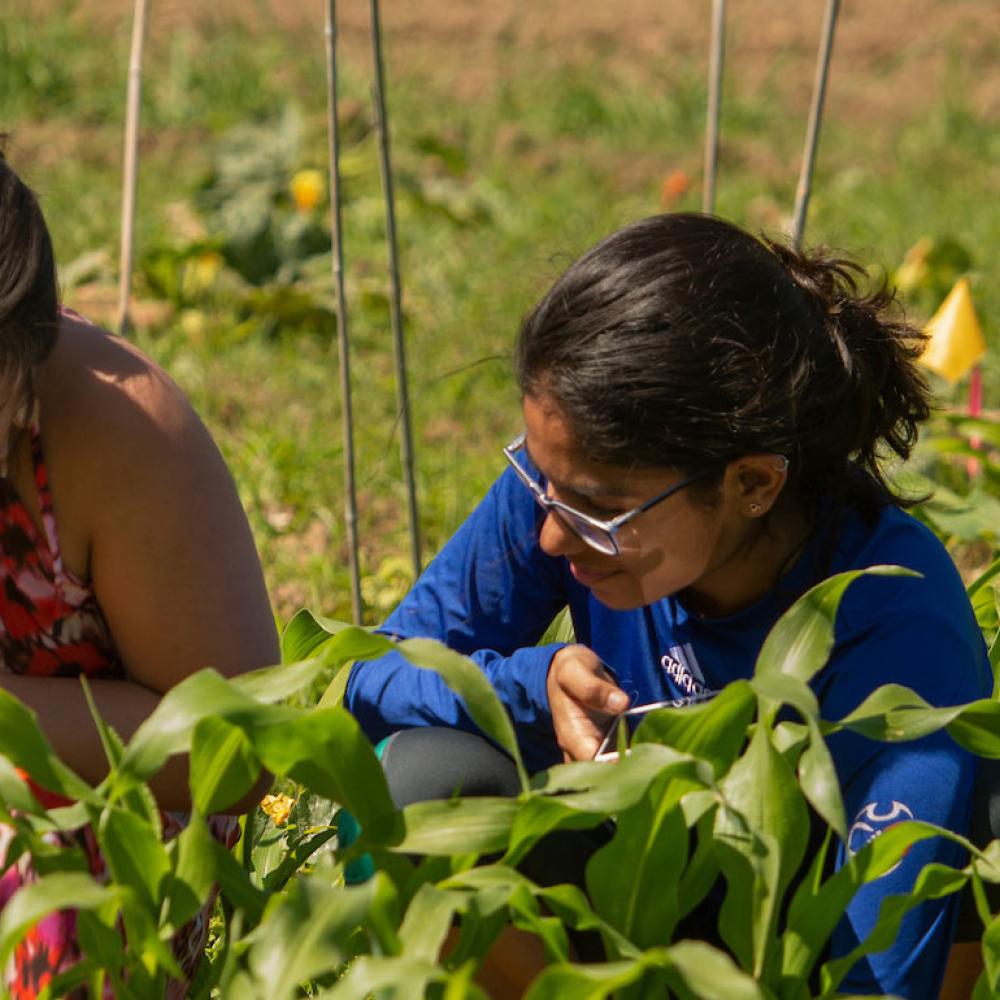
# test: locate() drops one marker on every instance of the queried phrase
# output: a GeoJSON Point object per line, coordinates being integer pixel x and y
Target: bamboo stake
{"type": "Point", "coordinates": [395, 297]}
{"type": "Point", "coordinates": [131, 164]}
{"type": "Point", "coordinates": [343, 344]}
{"type": "Point", "coordinates": [815, 121]}
{"type": "Point", "coordinates": [716, 60]}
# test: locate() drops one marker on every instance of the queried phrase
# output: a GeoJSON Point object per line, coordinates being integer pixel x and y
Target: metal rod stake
{"type": "Point", "coordinates": [395, 297]}
{"type": "Point", "coordinates": [716, 61]}
{"type": "Point", "coordinates": [815, 122]}
{"type": "Point", "coordinates": [131, 165]}
{"type": "Point", "coordinates": [343, 344]}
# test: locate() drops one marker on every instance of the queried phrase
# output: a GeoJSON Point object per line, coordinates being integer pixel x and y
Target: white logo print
{"type": "Point", "coordinates": [683, 672]}
{"type": "Point", "coordinates": [871, 823]}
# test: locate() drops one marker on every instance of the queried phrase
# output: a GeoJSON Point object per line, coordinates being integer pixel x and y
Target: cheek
{"type": "Point", "coordinates": [674, 558]}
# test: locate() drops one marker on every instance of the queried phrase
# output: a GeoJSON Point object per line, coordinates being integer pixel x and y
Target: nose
{"type": "Point", "coordinates": [556, 538]}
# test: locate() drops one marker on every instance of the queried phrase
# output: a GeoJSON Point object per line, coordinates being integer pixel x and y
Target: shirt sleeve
{"type": "Point", "coordinates": [930, 779]}
{"type": "Point", "coordinates": [490, 594]}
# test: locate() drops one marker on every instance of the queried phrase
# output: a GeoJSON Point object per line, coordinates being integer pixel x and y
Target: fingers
{"type": "Point", "coordinates": [583, 699]}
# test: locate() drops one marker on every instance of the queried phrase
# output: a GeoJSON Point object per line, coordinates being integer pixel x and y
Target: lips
{"type": "Point", "coordinates": [588, 577]}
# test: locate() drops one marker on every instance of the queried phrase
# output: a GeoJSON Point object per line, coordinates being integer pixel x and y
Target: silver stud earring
{"type": "Point", "coordinates": [755, 508]}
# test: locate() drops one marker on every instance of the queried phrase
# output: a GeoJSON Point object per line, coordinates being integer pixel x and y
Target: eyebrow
{"type": "Point", "coordinates": [589, 491]}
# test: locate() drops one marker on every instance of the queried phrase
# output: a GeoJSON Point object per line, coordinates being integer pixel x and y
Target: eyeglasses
{"type": "Point", "coordinates": [599, 535]}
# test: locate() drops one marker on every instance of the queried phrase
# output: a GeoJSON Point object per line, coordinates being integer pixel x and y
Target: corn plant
{"type": "Point", "coordinates": [741, 771]}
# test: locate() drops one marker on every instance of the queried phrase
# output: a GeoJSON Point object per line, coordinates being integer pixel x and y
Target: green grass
{"type": "Point", "coordinates": [496, 195]}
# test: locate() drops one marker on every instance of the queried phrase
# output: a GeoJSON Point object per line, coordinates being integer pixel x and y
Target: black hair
{"type": "Point", "coordinates": [29, 298]}
{"type": "Point", "coordinates": [683, 341]}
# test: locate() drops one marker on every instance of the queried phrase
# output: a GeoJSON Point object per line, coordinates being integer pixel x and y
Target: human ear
{"type": "Point", "coordinates": [754, 482]}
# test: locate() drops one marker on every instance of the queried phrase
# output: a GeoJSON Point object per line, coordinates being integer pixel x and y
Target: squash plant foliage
{"type": "Point", "coordinates": [742, 770]}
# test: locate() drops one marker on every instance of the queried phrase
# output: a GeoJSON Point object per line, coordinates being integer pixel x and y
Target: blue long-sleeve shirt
{"type": "Point", "coordinates": [492, 592]}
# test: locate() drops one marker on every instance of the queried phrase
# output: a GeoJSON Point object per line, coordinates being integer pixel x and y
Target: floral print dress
{"type": "Point", "coordinates": [52, 626]}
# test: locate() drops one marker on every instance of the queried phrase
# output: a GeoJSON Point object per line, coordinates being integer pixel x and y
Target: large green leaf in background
{"type": "Point", "coordinates": [801, 640]}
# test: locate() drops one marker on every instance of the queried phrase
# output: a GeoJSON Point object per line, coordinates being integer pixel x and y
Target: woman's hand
{"type": "Point", "coordinates": [583, 699]}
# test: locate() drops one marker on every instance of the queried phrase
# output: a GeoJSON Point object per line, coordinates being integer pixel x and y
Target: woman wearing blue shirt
{"type": "Point", "coordinates": [704, 417]}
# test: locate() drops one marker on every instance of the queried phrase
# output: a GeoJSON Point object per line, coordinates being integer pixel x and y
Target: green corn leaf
{"type": "Point", "coordinates": [714, 731]}
{"type": "Point", "coordinates": [457, 826]}
{"type": "Point", "coordinates": [539, 815]}
{"type": "Point", "coordinates": [223, 765]}
{"type": "Point", "coordinates": [651, 844]}
{"type": "Point", "coordinates": [305, 633]}
{"type": "Point", "coordinates": [473, 687]}
{"type": "Point", "coordinates": [308, 931]}
{"type": "Point", "coordinates": [25, 745]}
{"type": "Point", "coordinates": [988, 985]}
{"type": "Point", "coordinates": [400, 976]}
{"type": "Point", "coordinates": [692, 968]}
{"type": "Point", "coordinates": [134, 855]}
{"type": "Point", "coordinates": [933, 882]}
{"type": "Point", "coordinates": [427, 922]}
{"type": "Point", "coordinates": [801, 640]}
{"type": "Point", "coordinates": [325, 750]}
{"type": "Point", "coordinates": [58, 891]}
{"type": "Point", "coordinates": [14, 793]}
{"type": "Point", "coordinates": [236, 886]}
{"type": "Point", "coordinates": [895, 713]}
{"type": "Point", "coordinates": [816, 908]}
{"type": "Point", "coordinates": [193, 871]}
{"type": "Point", "coordinates": [762, 789]}
{"type": "Point", "coordinates": [610, 787]}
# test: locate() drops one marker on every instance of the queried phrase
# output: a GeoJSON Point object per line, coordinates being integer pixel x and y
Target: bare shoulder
{"type": "Point", "coordinates": [149, 513]}
{"type": "Point", "coordinates": [97, 389]}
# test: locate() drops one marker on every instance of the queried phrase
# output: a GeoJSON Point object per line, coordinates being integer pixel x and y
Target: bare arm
{"type": "Point", "coordinates": [172, 561]}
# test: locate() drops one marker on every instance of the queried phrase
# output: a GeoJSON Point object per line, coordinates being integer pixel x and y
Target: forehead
{"type": "Point", "coordinates": [555, 450]}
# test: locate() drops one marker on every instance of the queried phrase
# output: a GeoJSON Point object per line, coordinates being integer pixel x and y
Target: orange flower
{"type": "Point", "coordinates": [278, 807]}
{"type": "Point", "coordinates": [308, 188]}
{"type": "Point", "coordinates": [674, 185]}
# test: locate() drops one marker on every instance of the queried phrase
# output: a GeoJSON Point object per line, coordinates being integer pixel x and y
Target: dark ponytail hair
{"type": "Point", "coordinates": [683, 341]}
{"type": "Point", "coordinates": [29, 300]}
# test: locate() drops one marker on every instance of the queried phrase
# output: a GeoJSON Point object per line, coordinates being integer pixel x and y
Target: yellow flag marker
{"type": "Point", "coordinates": [956, 341]}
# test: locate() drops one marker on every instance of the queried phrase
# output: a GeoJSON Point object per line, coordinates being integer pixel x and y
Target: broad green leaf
{"type": "Point", "coordinates": [820, 784]}
{"type": "Point", "coordinates": [427, 922]}
{"type": "Point", "coordinates": [400, 976]}
{"type": "Point", "coordinates": [611, 786]}
{"type": "Point", "coordinates": [101, 941]}
{"type": "Point", "coordinates": [296, 857]}
{"type": "Point", "coordinates": [167, 731]}
{"type": "Point", "coordinates": [305, 633]}
{"type": "Point", "coordinates": [326, 750]}
{"type": "Point", "coordinates": [762, 789]}
{"type": "Point", "coordinates": [14, 793]}
{"type": "Point", "coordinates": [457, 826]}
{"type": "Point", "coordinates": [988, 985]}
{"type": "Point", "coordinates": [651, 844]}
{"type": "Point", "coordinates": [58, 891]}
{"type": "Point", "coordinates": [24, 744]}
{"type": "Point", "coordinates": [714, 731]}
{"type": "Point", "coordinates": [235, 884]}
{"type": "Point", "coordinates": [223, 765]}
{"type": "Point", "coordinates": [895, 713]}
{"type": "Point", "coordinates": [801, 640]}
{"type": "Point", "coordinates": [134, 855]}
{"type": "Point", "coordinates": [691, 966]}
{"type": "Point", "coordinates": [816, 909]}
{"type": "Point", "coordinates": [933, 882]}
{"type": "Point", "coordinates": [307, 932]}
{"type": "Point", "coordinates": [473, 687]}
{"type": "Point", "coordinates": [495, 885]}
{"type": "Point", "coordinates": [539, 815]}
{"type": "Point", "coordinates": [193, 871]}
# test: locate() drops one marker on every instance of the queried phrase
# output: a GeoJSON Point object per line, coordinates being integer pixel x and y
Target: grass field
{"type": "Point", "coordinates": [518, 141]}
